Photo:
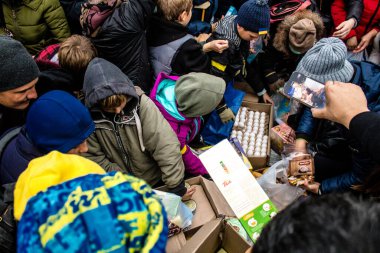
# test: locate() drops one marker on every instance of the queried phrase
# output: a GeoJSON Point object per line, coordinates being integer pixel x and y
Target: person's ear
{"type": "Point", "coordinates": [182, 16]}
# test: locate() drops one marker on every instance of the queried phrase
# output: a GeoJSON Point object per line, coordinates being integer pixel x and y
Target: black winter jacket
{"type": "Point", "coordinates": [122, 40]}
{"type": "Point", "coordinates": [72, 9]}
{"type": "Point", "coordinates": [189, 56]}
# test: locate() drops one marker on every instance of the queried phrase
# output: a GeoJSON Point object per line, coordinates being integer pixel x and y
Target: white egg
{"type": "Point", "coordinates": [257, 113]}
{"type": "Point", "coordinates": [263, 113]}
{"type": "Point", "coordinates": [233, 135]}
{"type": "Point", "coordinates": [250, 153]}
{"type": "Point", "coordinates": [265, 137]}
{"type": "Point", "coordinates": [245, 143]}
{"type": "Point", "coordinates": [239, 133]}
{"type": "Point", "coordinates": [241, 124]}
{"type": "Point", "coordinates": [263, 154]}
{"type": "Point", "coordinates": [261, 126]}
{"type": "Point", "coordinates": [257, 153]}
{"type": "Point", "coordinates": [263, 150]}
{"type": "Point", "coordinates": [236, 124]}
{"type": "Point", "coordinates": [234, 132]}
{"type": "Point", "coordinates": [258, 142]}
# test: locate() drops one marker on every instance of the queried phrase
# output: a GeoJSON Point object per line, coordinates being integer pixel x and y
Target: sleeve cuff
{"type": "Point", "coordinates": [180, 190]}
{"type": "Point", "coordinates": [261, 93]}
{"type": "Point", "coordinates": [303, 136]}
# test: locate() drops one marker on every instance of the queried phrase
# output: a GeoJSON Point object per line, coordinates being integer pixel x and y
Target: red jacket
{"type": "Point", "coordinates": [369, 20]}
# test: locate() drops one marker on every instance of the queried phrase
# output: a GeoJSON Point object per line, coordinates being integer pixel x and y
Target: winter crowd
{"type": "Point", "coordinates": [103, 100]}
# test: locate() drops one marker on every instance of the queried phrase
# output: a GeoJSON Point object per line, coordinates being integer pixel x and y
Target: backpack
{"type": "Point", "coordinates": [279, 11]}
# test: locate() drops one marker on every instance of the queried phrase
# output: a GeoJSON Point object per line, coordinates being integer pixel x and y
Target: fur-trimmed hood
{"type": "Point", "coordinates": [281, 38]}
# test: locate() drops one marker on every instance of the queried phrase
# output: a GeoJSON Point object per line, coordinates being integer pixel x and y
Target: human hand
{"type": "Point", "coordinates": [300, 145]}
{"type": "Point", "coordinates": [276, 85]}
{"type": "Point", "coordinates": [227, 115]}
{"type": "Point", "coordinates": [311, 186]}
{"type": "Point", "coordinates": [344, 28]}
{"type": "Point", "coordinates": [202, 37]}
{"type": "Point", "coordinates": [343, 102]}
{"type": "Point", "coordinates": [216, 45]}
{"type": "Point", "coordinates": [364, 42]}
{"type": "Point", "coordinates": [352, 43]}
{"type": "Point", "coordinates": [189, 193]}
{"type": "Point", "coordinates": [267, 99]}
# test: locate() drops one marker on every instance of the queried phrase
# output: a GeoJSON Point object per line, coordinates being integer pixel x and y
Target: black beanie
{"type": "Point", "coordinates": [254, 16]}
{"type": "Point", "coordinates": [17, 67]}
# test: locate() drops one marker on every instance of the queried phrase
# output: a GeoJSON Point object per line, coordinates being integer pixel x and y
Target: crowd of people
{"type": "Point", "coordinates": [103, 100]}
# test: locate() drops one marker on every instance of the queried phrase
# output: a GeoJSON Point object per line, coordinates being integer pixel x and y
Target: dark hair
{"type": "Point", "coordinates": [330, 223]}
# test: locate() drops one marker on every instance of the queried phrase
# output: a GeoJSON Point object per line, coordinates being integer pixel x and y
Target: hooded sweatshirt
{"type": "Point", "coordinates": [139, 140]}
{"type": "Point", "coordinates": [182, 101]}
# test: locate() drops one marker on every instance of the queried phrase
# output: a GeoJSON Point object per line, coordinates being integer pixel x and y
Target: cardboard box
{"type": "Point", "coordinates": [280, 136]}
{"type": "Point", "coordinates": [250, 93]}
{"type": "Point", "coordinates": [213, 236]}
{"type": "Point", "coordinates": [242, 192]}
{"type": "Point", "coordinates": [210, 203]}
{"type": "Point", "coordinates": [260, 162]}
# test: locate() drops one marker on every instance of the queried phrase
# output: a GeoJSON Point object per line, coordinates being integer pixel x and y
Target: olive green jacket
{"type": "Point", "coordinates": [146, 148]}
{"type": "Point", "coordinates": [36, 23]}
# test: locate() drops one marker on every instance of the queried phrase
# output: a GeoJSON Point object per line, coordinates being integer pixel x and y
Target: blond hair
{"type": "Point", "coordinates": [75, 53]}
{"type": "Point", "coordinates": [112, 101]}
{"type": "Point", "coordinates": [172, 9]}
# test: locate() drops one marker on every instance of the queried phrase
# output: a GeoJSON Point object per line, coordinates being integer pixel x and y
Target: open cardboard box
{"type": "Point", "coordinates": [215, 235]}
{"type": "Point", "coordinates": [210, 203]}
{"type": "Point", "coordinates": [260, 162]}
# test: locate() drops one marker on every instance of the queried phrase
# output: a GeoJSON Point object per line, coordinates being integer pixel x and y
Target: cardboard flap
{"type": "Point", "coordinates": [232, 241]}
{"type": "Point", "coordinates": [207, 239]}
{"type": "Point", "coordinates": [217, 201]}
{"type": "Point", "coordinates": [175, 243]}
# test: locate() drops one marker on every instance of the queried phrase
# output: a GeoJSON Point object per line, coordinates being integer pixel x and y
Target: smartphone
{"type": "Point", "coordinates": [305, 90]}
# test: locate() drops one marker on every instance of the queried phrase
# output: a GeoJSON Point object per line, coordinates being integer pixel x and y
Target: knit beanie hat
{"type": "Point", "coordinates": [17, 67]}
{"type": "Point", "coordinates": [90, 212]}
{"type": "Point", "coordinates": [254, 16]}
{"type": "Point", "coordinates": [302, 35]}
{"type": "Point", "coordinates": [58, 121]}
{"type": "Point", "coordinates": [326, 61]}
{"type": "Point", "coordinates": [198, 94]}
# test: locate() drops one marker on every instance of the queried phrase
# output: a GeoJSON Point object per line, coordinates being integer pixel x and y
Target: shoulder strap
{"type": "Point", "coordinates": [7, 137]}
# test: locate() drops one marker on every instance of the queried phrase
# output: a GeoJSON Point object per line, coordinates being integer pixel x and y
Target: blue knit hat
{"type": "Point", "coordinates": [326, 61]}
{"type": "Point", "coordinates": [254, 16]}
{"type": "Point", "coordinates": [58, 121]}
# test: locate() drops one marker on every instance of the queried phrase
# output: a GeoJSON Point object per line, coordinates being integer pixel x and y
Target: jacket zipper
{"type": "Point", "coordinates": [373, 16]}
{"type": "Point", "coordinates": [122, 149]}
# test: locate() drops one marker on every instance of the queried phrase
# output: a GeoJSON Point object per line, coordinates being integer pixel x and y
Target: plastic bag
{"type": "Point", "coordinates": [215, 131]}
{"type": "Point", "coordinates": [178, 213]}
{"type": "Point", "coordinates": [281, 194]}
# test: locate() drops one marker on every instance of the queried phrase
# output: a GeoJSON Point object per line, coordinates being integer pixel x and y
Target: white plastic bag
{"type": "Point", "coordinates": [281, 194]}
{"type": "Point", "coordinates": [178, 213]}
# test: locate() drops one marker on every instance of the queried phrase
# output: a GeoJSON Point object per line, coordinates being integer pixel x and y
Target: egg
{"type": "Point", "coordinates": [245, 143]}
{"type": "Point", "coordinates": [236, 124]}
{"type": "Point", "coordinates": [265, 137]}
{"type": "Point", "coordinates": [241, 124]}
{"type": "Point", "coordinates": [263, 113]}
{"type": "Point", "coordinates": [233, 136]}
{"type": "Point", "coordinates": [250, 153]}
{"type": "Point", "coordinates": [263, 150]}
{"type": "Point", "coordinates": [257, 153]}
{"type": "Point", "coordinates": [263, 154]}
{"type": "Point", "coordinates": [239, 133]}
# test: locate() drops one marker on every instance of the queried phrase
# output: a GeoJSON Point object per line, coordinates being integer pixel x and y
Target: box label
{"type": "Point", "coordinates": [238, 186]}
